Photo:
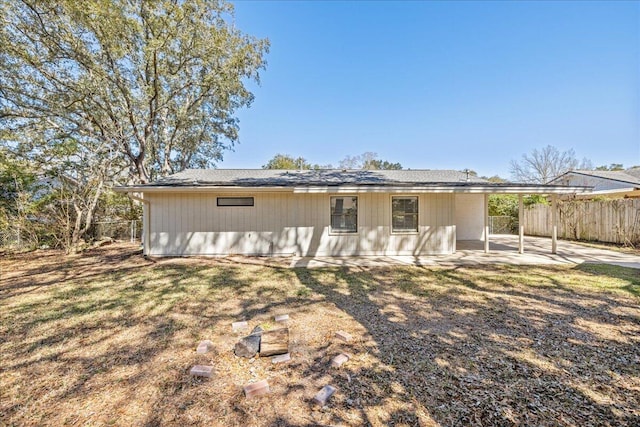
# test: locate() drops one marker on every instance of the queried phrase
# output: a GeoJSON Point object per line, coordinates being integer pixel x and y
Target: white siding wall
{"type": "Point", "coordinates": [469, 217]}
{"type": "Point", "coordinates": [286, 223]}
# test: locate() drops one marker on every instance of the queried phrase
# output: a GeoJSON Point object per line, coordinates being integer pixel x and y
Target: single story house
{"type": "Point", "coordinates": [613, 184]}
{"type": "Point", "coordinates": [319, 212]}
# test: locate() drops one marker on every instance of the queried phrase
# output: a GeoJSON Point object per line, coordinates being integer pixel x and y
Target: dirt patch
{"type": "Point", "coordinates": [108, 338]}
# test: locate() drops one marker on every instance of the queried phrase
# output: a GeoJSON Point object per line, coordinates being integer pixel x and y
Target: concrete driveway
{"type": "Point", "coordinates": [503, 249]}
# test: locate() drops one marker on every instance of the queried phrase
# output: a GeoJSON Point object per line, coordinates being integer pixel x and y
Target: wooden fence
{"type": "Point", "coordinates": [614, 221]}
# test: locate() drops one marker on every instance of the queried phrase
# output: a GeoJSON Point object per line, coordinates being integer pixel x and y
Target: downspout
{"type": "Point", "coordinates": [146, 207]}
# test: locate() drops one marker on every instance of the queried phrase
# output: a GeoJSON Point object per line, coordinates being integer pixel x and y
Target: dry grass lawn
{"type": "Point", "coordinates": [108, 338]}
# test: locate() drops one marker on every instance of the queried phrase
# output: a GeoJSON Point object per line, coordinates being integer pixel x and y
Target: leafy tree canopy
{"type": "Point", "coordinates": [503, 205]}
{"type": "Point", "coordinates": [369, 161]}
{"type": "Point", "coordinates": [285, 161]}
{"type": "Point", "coordinates": [611, 167]}
{"type": "Point", "coordinates": [497, 179]}
{"type": "Point", "coordinates": [155, 82]}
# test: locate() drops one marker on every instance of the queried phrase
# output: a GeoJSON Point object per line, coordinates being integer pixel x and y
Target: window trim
{"type": "Point", "coordinates": [332, 232]}
{"type": "Point", "coordinates": [253, 201]}
{"type": "Point", "coordinates": [404, 196]}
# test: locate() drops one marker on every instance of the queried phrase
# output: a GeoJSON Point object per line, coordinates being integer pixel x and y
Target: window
{"type": "Point", "coordinates": [235, 201]}
{"type": "Point", "coordinates": [344, 214]}
{"type": "Point", "coordinates": [404, 214]}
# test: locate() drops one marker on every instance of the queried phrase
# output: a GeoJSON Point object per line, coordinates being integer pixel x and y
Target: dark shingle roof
{"type": "Point", "coordinates": [324, 177]}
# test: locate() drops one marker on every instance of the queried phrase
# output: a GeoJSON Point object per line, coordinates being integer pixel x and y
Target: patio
{"type": "Point", "coordinates": [503, 249]}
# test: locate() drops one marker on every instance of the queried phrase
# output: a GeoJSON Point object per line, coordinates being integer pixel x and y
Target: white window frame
{"type": "Point", "coordinates": [333, 232]}
{"type": "Point", "coordinates": [404, 196]}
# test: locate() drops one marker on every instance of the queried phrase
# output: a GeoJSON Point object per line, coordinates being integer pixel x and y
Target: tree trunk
{"type": "Point", "coordinates": [76, 232]}
{"type": "Point", "coordinates": [274, 342]}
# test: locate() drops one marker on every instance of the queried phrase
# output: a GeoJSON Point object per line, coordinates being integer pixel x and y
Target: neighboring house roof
{"type": "Point", "coordinates": [344, 180]}
{"type": "Point", "coordinates": [630, 176]}
{"type": "Point", "coordinates": [635, 172]}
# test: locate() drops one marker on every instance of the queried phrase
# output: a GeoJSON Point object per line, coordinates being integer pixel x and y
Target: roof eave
{"type": "Point", "coordinates": [472, 189]}
{"type": "Point", "coordinates": [468, 188]}
{"type": "Point", "coordinates": [196, 189]}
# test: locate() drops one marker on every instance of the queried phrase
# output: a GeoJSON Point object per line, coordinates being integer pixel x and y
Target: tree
{"type": "Point", "coordinates": [156, 83]}
{"type": "Point", "coordinates": [285, 161]}
{"type": "Point", "coordinates": [611, 167]}
{"type": "Point", "coordinates": [18, 184]}
{"type": "Point", "coordinates": [540, 166]}
{"type": "Point", "coordinates": [496, 179]}
{"type": "Point", "coordinates": [73, 177]}
{"type": "Point", "coordinates": [503, 205]}
{"type": "Point", "coordinates": [377, 164]}
{"type": "Point", "coordinates": [367, 161]}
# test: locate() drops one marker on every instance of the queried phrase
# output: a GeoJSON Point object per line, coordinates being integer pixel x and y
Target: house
{"type": "Point", "coordinates": [318, 212]}
{"type": "Point", "coordinates": [614, 184]}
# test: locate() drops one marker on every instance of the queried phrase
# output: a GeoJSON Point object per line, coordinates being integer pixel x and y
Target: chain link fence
{"type": "Point", "coordinates": [503, 225]}
{"type": "Point", "coordinates": [118, 230]}
{"type": "Point", "coordinates": [13, 239]}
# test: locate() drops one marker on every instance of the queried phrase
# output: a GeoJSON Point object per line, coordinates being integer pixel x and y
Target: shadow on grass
{"type": "Point", "coordinates": [478, 350]}
{"type": "Point", "coordinates": [630, 275]}
{"type": "Point", "coordinates": [461, 346]}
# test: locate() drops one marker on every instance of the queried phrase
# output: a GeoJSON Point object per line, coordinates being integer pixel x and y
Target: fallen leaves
{"type": "Point", "coordinates": [109, 337]}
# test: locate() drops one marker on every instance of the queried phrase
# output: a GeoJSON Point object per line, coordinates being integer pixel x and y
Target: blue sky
{"type": "Point", "coordinates": [443, 85]}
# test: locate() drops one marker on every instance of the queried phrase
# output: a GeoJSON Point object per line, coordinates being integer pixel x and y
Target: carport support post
{"type": "Point", "coordinates": [520, 225]}
{"type": "Point", "coordinates": [554, 224]}
{"type": "Point", "coordinates": [486, 223]}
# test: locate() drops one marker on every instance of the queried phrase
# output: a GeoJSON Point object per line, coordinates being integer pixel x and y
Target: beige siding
{"type": "Point", "coordinates": [286, 223]}
{"type": "Point", "coordinates": [469, 212]}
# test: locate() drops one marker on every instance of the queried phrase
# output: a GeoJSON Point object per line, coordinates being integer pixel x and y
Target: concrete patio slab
{"type": "Point", "coordinates": [503, 249]}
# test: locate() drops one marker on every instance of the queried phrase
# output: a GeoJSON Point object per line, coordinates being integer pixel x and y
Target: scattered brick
{"type": "Point", "coordinates": [324, 395]}
{"type": "Point", "coordinates": [281, 358]}
{"type": "Point", "coordinates": [343, 336]}
{"type": "Point", "coordinates": [201, 371]}
{"type": "Point", "coordinates": [337, 361]}
{"type": "Point", "coordinates": [239, 325]}
{"type": "Point", "coordinates": [282, 318]}
{"type": "Point", "coordinates": [204, 347]}
{"type": "Point", "coordinates": [256, 389]}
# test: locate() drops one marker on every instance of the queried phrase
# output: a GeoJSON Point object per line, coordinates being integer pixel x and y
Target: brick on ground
{"type": "Point", "coordinates": [281, 358]}
{"type": "Point", "coordinates": [342, 335]}
{"type": "Point", "coordinates": [256, 389]}
{"type": "Point", "coordinates": [337, 361]}
{"type": "Point", "coordinates": [204, 347]}
{"type": "Point", "coordinates": [239, 325]}
{"type": "Point", "coordinates": [282, 318]}
{"type": "Point", "coordinates": [324, 395]}
{"type": "Point", "coordinates": [201, 371]}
